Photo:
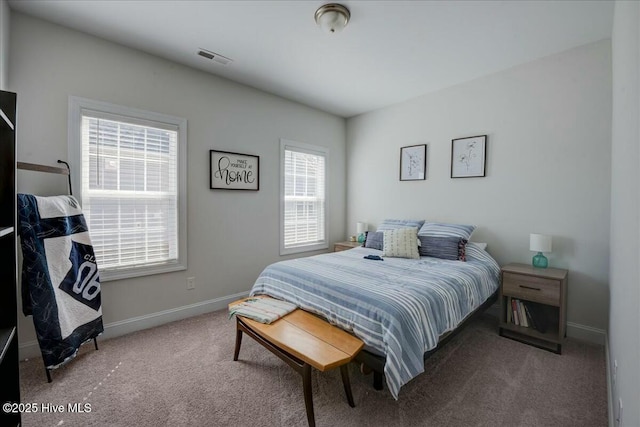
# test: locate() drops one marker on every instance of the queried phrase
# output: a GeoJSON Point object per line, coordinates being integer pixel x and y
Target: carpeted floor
{"type": "Point", "coordinates": [183, 374]}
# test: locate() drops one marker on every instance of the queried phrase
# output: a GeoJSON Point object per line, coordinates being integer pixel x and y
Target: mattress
{"type": "Point", "coordinates": [399, 307]}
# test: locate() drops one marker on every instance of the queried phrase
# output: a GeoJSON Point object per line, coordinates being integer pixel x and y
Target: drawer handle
{"type": "Point", "coordinates": [529, 287]}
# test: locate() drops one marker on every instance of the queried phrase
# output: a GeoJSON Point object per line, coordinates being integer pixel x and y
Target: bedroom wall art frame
{"type": "Point", "coordinates": [469, 157]}
{"type": "Point", "coordinates": [413, 163]}
{"type": "Point", "coordinates": [233, 171]}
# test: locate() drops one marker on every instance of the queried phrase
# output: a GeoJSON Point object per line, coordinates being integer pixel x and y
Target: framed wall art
{"type": "Point", "coordinates": [468, 157]}
{"type": "Point", "coordinates": [413, 163]}
{"type": "Point", "coordinates": [233, 171]}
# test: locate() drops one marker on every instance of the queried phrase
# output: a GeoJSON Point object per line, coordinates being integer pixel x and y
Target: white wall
{"type": "Point", "coordinates": [232, 235]}
{"type": "Point", "coordinates": [4, 43]}
{"type": "Point", "coordinates": [548, 167]}
{"type": "Point", "coordinates": [624, 318]}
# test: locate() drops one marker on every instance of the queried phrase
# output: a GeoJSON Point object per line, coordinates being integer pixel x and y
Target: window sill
{"type": "Point", "coordinates": [301, 249]}
{"type": "Point", "coordinates": [111, 275]}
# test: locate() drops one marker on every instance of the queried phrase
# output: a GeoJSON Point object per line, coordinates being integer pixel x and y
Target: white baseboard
{"type": "Point", "coordinates": [127, 326]}
{"type": "Point", "coordinates": [586, 333]}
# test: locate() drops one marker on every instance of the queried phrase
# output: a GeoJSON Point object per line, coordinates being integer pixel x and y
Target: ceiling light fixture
{"type": "Point", "coordinates": [332, 17]}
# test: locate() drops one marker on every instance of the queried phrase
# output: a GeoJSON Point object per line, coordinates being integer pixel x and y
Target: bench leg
{"type": "Point", "coordinates": [377, 380]}
{"type": "Point", "coordinates": [238, 342]}
{"type": "Point", "coordinates": [308, 397]}
{"type": "Point", "coordinates": [347, 384]}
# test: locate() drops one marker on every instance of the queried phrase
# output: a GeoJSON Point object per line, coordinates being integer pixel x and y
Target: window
{"type": "Point", "coordinates": [303, 197]}
{"type": "Point", "coordinates": [130, 180]}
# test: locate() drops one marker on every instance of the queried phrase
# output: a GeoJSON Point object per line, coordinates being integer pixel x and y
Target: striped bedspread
{"type": "Point", "coordinates": [399, 307]}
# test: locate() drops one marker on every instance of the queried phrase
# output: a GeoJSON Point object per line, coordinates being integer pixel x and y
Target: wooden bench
{"type": "Point", "coordinates": [304, 341]}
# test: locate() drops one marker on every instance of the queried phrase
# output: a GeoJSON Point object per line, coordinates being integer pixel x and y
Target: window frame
{"type": "Point", "coordinates": [138, 117]}
{"type": "Point", "coordinates": [309, 149]}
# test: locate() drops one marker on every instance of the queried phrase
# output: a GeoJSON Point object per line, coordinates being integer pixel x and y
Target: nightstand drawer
{"type": "Point", "coordinates": [538, 289]}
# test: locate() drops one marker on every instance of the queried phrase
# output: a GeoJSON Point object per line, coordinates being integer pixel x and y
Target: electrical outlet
{"type": "Point", "coordinates": [619, 418]}
{"type": "Point", "coordinates": [191, 283]}
{"type": "Point", "coordinates": [615, 371]}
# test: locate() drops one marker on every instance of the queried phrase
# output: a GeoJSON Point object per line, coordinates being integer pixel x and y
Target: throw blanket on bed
{"type": "Point", "coordinates": [399, 307]}
{"type": "Point", "coordinates": [60, 281]}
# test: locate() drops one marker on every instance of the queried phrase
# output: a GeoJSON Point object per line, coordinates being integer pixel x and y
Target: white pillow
{"type": "Point", "coordinates": [401, 243]}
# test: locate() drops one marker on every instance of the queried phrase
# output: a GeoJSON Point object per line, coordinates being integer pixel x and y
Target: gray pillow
{"type": "Point", "coordinates": [374, 240]}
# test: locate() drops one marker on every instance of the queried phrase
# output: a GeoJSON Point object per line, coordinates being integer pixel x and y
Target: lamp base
{"type": "Point", "coordinates": [540, 261]}
{"type": "Point", "coordinates": [361, 238]}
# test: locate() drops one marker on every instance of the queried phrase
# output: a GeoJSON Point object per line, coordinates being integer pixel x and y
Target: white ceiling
{"type": "Point", "coordinates": [391, 51]}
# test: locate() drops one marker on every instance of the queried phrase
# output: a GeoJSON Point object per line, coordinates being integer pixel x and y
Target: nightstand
{"type": "Point", "coordinates": [343, 246]}
{"type": "Point", "coordinates": [533, 305]}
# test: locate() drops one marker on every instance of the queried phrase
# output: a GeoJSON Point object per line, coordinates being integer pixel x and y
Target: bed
{"type": "Point", "coordinates": [399, 307]}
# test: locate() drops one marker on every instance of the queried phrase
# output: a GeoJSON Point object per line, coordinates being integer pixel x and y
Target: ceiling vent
{"type": "Point", "coordinates": [212, 56]}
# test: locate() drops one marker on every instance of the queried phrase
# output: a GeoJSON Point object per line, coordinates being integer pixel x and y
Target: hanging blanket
{"type": "Point", "coordinates": [60, 281]}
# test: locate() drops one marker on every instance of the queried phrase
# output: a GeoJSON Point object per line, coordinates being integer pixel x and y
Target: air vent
{"type": "Point", "coordinates": [212, 56]}
{"type": "Point", "coordinates": [206, 54]}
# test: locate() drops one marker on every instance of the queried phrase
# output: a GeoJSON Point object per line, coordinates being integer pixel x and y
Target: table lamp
{"type": "Point", "coordinates": [363, 227]}
{"type": "Point", "coordinates": [540, 243]}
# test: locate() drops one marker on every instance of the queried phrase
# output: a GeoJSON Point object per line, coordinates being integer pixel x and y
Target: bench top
{"type": "Point", "coordinates": [309, 338]}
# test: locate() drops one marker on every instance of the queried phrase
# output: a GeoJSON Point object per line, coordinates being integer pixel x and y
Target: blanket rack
{"type": "Point", "coordinates": [49, 169]}
{"type": "Point", "coordinates": [60, 171]}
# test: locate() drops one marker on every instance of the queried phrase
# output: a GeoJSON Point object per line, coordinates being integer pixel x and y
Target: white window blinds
{"type": "Point", "coordinates": [130, 178]}
{"type": "Point", "coordinates": [304, 199]}
{"type": "Point", "coordinates": [130, 192]}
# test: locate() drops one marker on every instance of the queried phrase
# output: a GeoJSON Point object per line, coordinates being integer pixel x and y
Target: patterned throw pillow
{"type": "Point", "coordinates": [401, 243]}
{"type": "Point", "coordinates": [392, 224]}
{"type": "Point", "coordinates": [451, 248]}
{"type": "Point", "coordinates": [374, 240]}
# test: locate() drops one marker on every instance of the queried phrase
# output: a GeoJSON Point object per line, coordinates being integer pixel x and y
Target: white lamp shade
{"type": "Point", "coordinates": [539, 243]}
{"type": "Point", "coordinates": [362, 227]}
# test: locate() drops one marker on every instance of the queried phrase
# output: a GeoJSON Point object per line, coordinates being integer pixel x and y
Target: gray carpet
{"type": "Point", "coordinates": [183, 374]}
